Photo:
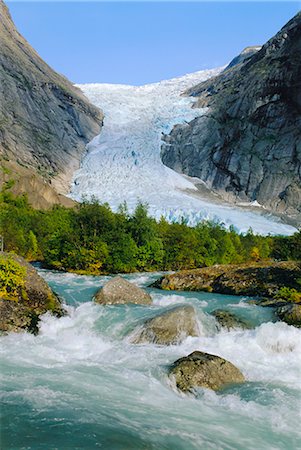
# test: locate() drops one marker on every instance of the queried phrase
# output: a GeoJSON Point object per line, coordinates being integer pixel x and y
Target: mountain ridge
{"type": "Point", "coordinates": [45, 121]}
{"type": "Point", "coordinates": [247, 147]}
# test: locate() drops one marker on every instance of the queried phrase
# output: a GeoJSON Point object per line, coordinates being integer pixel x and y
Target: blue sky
{"type": "Point", "coordinates": [142, 42]}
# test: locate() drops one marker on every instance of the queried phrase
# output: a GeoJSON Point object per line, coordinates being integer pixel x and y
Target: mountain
{"type": "Point", "coordinates": [45, 121]}
{"type": "Point", "coordinates": [247, 145]}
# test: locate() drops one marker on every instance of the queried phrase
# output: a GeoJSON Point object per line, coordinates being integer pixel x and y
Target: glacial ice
{"type": "Point", "coordinates": [123, 163]}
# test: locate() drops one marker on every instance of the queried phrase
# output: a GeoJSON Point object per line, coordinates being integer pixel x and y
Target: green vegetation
{"type": "Point", "coordinates": [288, 294]}
{"type": "Point", "coordinates": [90, 238]}
{"type": "Point", "coordinates": [12, 278]}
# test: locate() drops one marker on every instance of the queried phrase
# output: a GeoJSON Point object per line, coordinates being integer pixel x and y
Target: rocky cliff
{"type": "Point", "coordinates": [247, 146]}
{"type": "Point", "coordinates": [45, 121]}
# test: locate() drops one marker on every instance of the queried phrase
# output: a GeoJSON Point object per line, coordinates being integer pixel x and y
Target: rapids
{"type": "Point", "coordinates": [80, 384]}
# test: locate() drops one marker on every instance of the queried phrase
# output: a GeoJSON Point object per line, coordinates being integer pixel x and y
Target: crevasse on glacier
{"type": "Point", "coordinates": [123, 163]}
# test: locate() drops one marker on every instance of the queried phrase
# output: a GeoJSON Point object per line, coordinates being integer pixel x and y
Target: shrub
{"type": "Point", "coordinates": [289, 294]}
{"type": "Point", "coordinates": [12, 278]}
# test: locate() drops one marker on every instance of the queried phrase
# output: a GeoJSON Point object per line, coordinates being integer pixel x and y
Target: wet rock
{"type": "Point", "coordinates": [269, 302]}
{"type": "Point", "coordinates": [252, 279]}
{"type": "Point", "coordinates": [291, 314]}
{"type": "Point", "coordinates": [229, 320]}
{"type": "Point", "coordinates": [120, 291]}
{"type": "Point", "coordinates": [16, 317]}
{"type": "Point", "coordinates": [201, 369]}
{"type": "Point", "coordinates": [22, 312]}
{"type": "Point", "coordinates": [170, 327]}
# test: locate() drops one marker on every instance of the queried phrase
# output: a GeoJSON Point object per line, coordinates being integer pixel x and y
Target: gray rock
{"type": "Point", "coordinates": [170, 327]}
{"type": "Point", "coordinates": [291, 314]}
{"type": "Point", "coordinates": [22, 313]}
{"type": "Point", "coordinates": [120, 291]}
{"type": "Point", "coordinates": [247, 146]}
{"type": "Point", "coordinates": [245, 54]}
{"type": "Point", "coordinates": [201, 369]}
{"type": "Point", "coordinates": [45, 121]}
{"type": "Point", "coordinates": [229, 320]}
{"type": "Point", "coordinates": [269, 302]}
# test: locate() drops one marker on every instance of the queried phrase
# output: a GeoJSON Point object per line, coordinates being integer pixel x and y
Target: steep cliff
{"type": "Point", "coordinates": [45, 121]}
{"type": "Point", "coordinates": [247, 146]}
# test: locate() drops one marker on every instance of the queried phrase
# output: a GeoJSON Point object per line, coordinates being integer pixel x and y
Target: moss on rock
{"type": "Point", "coordinates": [24, 295]}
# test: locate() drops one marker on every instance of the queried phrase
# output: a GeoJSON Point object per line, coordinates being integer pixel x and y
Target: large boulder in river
{"type": "Point", "coordinates": [252, 279]}
{"type": "Point", "coordinates": [170, 327]}
{"type": "Point", "coordinates": [24, 295]}
{"type": "Point", "coordinates": [201, 369]}
{"type": "Point", "coordinates": [120, 291]}
{"type": "Point", "coordinates": [291, 314]}
{"type": "Point", "coordinates": [228, 320]}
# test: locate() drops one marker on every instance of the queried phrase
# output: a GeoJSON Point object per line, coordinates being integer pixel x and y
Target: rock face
{"type": "Point", "coordinates": [229, 320]}
{"type": "Point", "coordinates": [45, 121]}
{"type": "Point", "coordinates": [204, 370]}
{"type": "Point", "coordinates": [120, 291]}
{"type": "Point", "coordinates": [247, 145]}
{"type": "Point", "coordinates": [243, 56]}
{"type": "Point", "coordinates": [291, 314]}
{"type": "Point", "coordinates": [39, 192]}
{"type": "Point", "coordinates": [22, 313]}
{"type": "Point", "coordinates": [257, 279]}
{"type": "Point", "coordinates": [170, 327]}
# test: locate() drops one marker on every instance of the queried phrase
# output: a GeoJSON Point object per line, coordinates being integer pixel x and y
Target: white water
{"type": "Point", "coordinates": [123, 163]}
{"type": "Point", "coordinates": [81, 384]}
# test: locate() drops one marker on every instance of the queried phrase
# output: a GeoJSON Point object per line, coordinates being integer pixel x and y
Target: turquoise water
{"type": "Point", "coordinates": [81, 384]}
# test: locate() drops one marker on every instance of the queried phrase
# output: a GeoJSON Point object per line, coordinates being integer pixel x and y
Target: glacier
{"type": "Point", "coordinates": [123, 163]}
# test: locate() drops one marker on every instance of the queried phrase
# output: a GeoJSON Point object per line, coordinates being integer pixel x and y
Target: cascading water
{"type": "Point", "coordinates": [123, 163]}
{"type": "Point", "coordinates": [81, 384]}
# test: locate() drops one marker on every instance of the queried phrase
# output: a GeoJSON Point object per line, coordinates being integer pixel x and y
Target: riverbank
{"type": "Point", "coordinates": [255, 279]}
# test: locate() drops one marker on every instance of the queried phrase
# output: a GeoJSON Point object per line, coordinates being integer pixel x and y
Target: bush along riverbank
{"type": "Point", "coordinates": [91, 239]}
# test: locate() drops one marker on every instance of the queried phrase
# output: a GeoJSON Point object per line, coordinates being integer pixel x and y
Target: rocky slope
{"type": "Point", "coordinates": [247, 147]}
{"type": "Point", "coordinates": [45, 122]}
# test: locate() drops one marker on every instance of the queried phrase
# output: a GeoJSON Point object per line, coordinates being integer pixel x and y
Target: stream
{"type": "Point", "coordinates": [81, 384]}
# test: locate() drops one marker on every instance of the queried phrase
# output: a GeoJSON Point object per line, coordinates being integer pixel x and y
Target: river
{"type": "Point", "coordinates": [81, 384]}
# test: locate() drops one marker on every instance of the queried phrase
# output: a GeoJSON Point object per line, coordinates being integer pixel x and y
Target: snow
{"type": "Point", "coordinates": [123, 163]}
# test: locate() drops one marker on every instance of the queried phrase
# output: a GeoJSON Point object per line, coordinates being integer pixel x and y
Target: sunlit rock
{"type": "Point", "coordinates": [170, 327]}
{"type": "Point", "coordinates": [201, 369]}
{"type": "Point", "coordinates": [120, 291]}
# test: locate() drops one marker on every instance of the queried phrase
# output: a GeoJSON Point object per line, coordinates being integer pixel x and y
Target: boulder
{"type": "Point", "coordinates": [269, 302]}
{"type": "Point", "coordinates": [229, 320]}
{"type": "Point", "coordinates": [119, 291]}
{"type": "Point", "coordinates": [291, 314]}
{"type": "Point", "coordinates": [21, 309]}
{"type": "Point", "coordinates": [252, 279]}
{"type": "Point", "coordinates": [201, 369]}
{"type": "Point", "coordinates": [170, 327]}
